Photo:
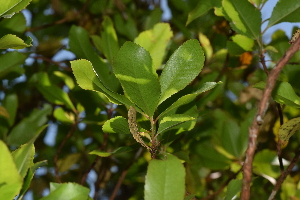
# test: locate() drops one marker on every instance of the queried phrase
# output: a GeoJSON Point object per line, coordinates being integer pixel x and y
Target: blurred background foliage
{"type": "Point", "coordinates": [39, 88]}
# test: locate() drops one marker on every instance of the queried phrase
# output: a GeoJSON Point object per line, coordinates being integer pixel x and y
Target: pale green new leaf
{"type": "Point", "coordinates": [285, 11]}
{"type": "Point", "coordinates": [189, 97]}
{"type": "Point", "coordinates": [155, 41]}
{"type": "Point", "coordinates": [67, 191]}
{"type": "Point", "coordinates": [14, 42]}
{"type": "Point", "coordinates": [181, 69]}
{"type": "Point", "coordinates": [87, 79]}
{"type": "Point", "coordinates": [244, 18]}
{"type": "Point", "coordinates": [10, 7]}
{"type": "Point", "coordinates": [133, 67]}
{"type": "Point", "coordinates": [23, 157]}
{"type": "Point", "coordinates": [172, 121]}
{"type": "Point", "coordinates": [11, 180]}
{"type": "Point", "coordinates": [116, 125]}
{"type": "Point", "coordinates": [165, 179]}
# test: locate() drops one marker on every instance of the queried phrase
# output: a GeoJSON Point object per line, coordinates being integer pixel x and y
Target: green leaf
{"type": "Point", "coordinates": [155, 41]}
{"type": "Point", "coordinates": [189, 97]}
{"type": "Point", "coordinates": [133, 67]}
{"type": "Point", "coordinates": [165, 179]}
{"type": "Point", "coordinates": [233, 188]}
{"type": "Point", "coordinates": [106, 154]}
{"type": "Point", "coordinates": [239, 44]}
{"type": "Point", "coordinates": [14, 25]}
{"type": "Point", "coordinates": [285, 11]}
{"type": "Point", "coordinates": [10, 62]}
{"type": "Point", "coordinates": [88, 79]}
{"type": "Point", "coordinates": [202, 8]}
{"type": "Point", "coordinates": [81, 46]}
{"type": "Point", "coordinates": [14, 42]}
{"type": "Point", "coordinates": [237, 12]}
{"type": "Point", "coordinates": [288, 129]}
{"type": "Point", "coordinates": [50, 91]}
{"type": "Point", "coordinates": [10, 181]}
{"type": "Point", "coordinates": [283, 93]}
{"type": "Point", "coordinates": [181, 69]}
{"type": "Point", "coordinates": [23, 157]}
{"type": "Point", "coordinates": [116, 125]}
{"type": "Point", "coordinates": [66, 78]}
{"type": "Point", "coordinates": [67, 191]}
{"type": "Point", "coordinates": [9, 8]}
{"type": "Point", "coordinates": [108, 42]}
{"type": "Point", "coordinates": [172, 121]}
{"type": "Point", "coordinates": [262, 163]}
{"type": "Point", "coordinates": [64, 164]}
{"type": "Point", "coordinates": [63, 116]}
{"type": "Point", "coordinates": [29, 127]}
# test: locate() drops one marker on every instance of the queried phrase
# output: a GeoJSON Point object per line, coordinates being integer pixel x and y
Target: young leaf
{"type": "Point", "coordinates": [81, 46]}
{"type": "Point", "coordinates": [88, 79]}
{"type": "Point", "coordinates": [133, 67]}
{"type": "Point", "coordinates": [237, 12]}
{"type": "Point", "coordinates": [14, 42]}
{"type": "Point", "coordinates": [155, 42]}
{"type": "Point", "coordinates": [181, 69]}
{"type": "Point", "coordinates": [108, 42]}
{"type": "Point", "coordinates": [116, 125]}
{"type": "Point", "coordinates": [11, 180]}
{"type": "Point", "coordinates": [285, 11]}
{"type": "Point", "coordinates": [165, 179]}
{"type": "Point", "coordinates": [65, 191]}
{"type": "Point", "coordinates": [288, 129]}
{"type": "Point", "coordinates": [172, 121]}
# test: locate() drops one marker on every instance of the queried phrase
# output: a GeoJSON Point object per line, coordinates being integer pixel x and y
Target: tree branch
{"type": "Point", "coordinates": [258, 120]}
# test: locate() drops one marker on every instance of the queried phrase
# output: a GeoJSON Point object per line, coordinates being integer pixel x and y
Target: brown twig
{"type": "Point", "coordinates": [61, 21]}
{"type": "Point", "coordinates": [124, 173]}
{"type": "Point", "coordinates": [258, 120]}
{"type": "Point", "coordinates": [284, 175]}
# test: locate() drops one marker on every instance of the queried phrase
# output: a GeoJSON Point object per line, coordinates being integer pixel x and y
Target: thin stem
{"type": "Point", "coordinates": [258, 120]}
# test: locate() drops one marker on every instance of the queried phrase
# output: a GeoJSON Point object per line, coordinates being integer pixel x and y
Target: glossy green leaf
{"type": "Point", "coordinates": [81, 46]}
{"type": "Point", "coordinates": [23, 157]}
{"type": "Point", "coordinates": [10, 181]}
{"type": "Point", "coordinates": [87, 79]}
{"type": "Point", "coordinates": [181, 69]}
{"type": "Point", "coordinates": [133, 67]}
{"type": "Point", "coordinates": [233, 188]}
{"type": "Point", "coordinates": [67, 191]}
{"type": "Point", "coordinates": [29, 127]}
{"type": "Point", "coordinates": [172, 121]}
{"type": "Point", "coordinates": [63, 116]}
{"type": "Point", "coordinates": [189, 97]}
{"type": "Point", "coordinates": [262, 163]}
{"type": "Point", "coordinates": [161, 181]}
{"type": "Point", "coordinates": [108, 42]}
{"type": "Point", "coordinates": [9, 8]}
{"type": "Point", "coordinates": [288, 129]}
{"type": "Point", "coordinates": [106, 154]}
{"type": "Point", "coordinates": [202, 8]}
{"type": "Point", "coordinates": [237, 12]}
{"type": "Point", "coordinates": [285, 11]}
{"type": "Point", "coordinates": [283, 93]}
{"type": "Point", "coordinates": [116, 125]}
{"type": "Point", "coordinates": [50, 91]}
{"type": "Point", "coordinates": [11, 62]}
{"type": "Point", "coordinates": [155, 41]}
{"type": "Point", "coordinates": [14, 42]}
